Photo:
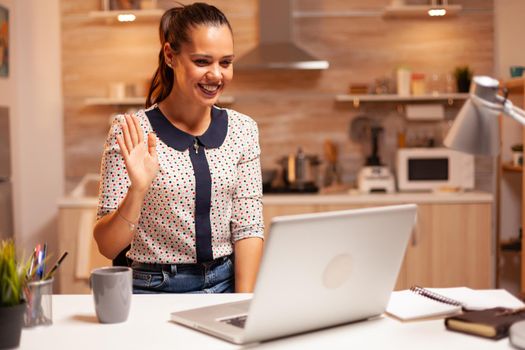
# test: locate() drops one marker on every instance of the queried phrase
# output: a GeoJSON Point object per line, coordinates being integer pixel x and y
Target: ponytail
{"type": "Point", "coordinates": [174, 29]}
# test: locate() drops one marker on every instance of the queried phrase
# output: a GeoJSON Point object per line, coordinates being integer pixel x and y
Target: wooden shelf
{"type": "Point", "coordinates": [397, 98]}
{"type": "Point", "coordinates": [137, 101]}
{"type": "Point", "coordinates": [112, 16]}
{"type": "Point", "coordinates": [418, 11]}
{"type": "Point", "coordinates": [515, 84]}
{"type": "Point", "coordinates": [511, 168]}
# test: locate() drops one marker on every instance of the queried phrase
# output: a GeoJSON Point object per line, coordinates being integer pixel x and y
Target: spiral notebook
{"type": "Point", "coordinates": [425, 303]}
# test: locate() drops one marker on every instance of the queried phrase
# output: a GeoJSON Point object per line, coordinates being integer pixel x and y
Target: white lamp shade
{"type": "Point", "coordinates": [475, 130]}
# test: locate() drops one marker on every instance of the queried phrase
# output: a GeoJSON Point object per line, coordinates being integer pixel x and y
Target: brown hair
{"type": "Point", "coordinates": [174, 29]}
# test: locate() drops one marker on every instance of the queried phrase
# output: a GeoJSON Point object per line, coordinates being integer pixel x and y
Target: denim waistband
{"type": "Point", "coordinates": [173, 268]}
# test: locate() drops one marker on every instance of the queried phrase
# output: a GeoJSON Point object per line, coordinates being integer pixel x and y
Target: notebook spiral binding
{"type": "Point", "coordinates": [435, 296]}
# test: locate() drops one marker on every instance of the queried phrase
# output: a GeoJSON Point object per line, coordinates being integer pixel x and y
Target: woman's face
{"type": "Point", "coordinates": [203, 67]}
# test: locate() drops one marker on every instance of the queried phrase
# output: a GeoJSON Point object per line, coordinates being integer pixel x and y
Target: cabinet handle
{"type": "Point", "coordinates": [414, 238]}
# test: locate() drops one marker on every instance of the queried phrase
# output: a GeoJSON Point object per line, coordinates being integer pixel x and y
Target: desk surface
{"type": "Point", "coordinates": [149, 327]}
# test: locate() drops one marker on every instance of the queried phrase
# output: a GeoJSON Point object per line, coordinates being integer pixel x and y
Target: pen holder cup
{"type": "Point", "coordinates": [39, 309]}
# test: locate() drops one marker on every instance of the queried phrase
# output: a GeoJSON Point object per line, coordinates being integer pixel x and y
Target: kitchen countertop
{"type": "Point", "coordinates": [338, 198]}
{"type": "Point", "coordinates": [386, 198]}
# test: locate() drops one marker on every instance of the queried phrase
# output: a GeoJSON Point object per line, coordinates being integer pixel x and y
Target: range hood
{"type": "Point", "coordinates": [276, 49]}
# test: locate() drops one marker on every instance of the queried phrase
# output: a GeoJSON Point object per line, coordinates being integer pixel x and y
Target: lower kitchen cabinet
{"type": "Point", "coordinates": [75, 232]}
{"type": "Point", "coordinates": [451, 244]}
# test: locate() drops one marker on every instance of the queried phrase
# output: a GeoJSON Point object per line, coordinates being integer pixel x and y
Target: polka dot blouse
{"type": "Point", "coordinates": [173, 206]}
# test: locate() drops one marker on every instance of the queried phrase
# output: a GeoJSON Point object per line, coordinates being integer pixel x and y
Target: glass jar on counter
{"type": "Point", "coordinates": [418, 84]}
{"type": "Point", "coordinates": [434, 84]}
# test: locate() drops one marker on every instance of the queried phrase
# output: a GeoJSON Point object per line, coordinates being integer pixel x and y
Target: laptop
{"type": "Point", "coordinates": [318, 270]}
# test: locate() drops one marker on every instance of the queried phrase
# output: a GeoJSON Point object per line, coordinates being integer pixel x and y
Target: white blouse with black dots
{"type": "Point", "coordinates": [165, 233]}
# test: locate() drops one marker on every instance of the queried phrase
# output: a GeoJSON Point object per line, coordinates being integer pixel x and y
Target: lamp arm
{"type": "Point", "coordinates": [502, 105]}
{"type": "Point", "coordinates": [514, 112]}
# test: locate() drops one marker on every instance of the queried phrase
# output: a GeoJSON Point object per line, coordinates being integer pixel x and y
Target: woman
{"type": "Point", "coordinates": [181, 180]}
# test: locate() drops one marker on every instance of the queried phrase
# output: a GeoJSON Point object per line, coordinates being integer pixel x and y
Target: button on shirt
{"type": "Point", "coordinates": [182, 207]}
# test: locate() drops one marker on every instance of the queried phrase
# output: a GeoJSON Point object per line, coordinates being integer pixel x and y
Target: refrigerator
{"type": "Point", "coordinates": [6, 188]}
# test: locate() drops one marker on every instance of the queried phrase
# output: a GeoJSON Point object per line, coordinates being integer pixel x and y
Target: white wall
{"type": "Point", "coordinates": [34, 95]}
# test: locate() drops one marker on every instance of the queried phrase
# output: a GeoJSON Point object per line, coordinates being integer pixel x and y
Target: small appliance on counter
{"type": "Point", "coordinates": [375, 179]}
{"type": "Point", "coordinates": [430, 169]}
{"type": "Point", "coordinates": [374, 176]}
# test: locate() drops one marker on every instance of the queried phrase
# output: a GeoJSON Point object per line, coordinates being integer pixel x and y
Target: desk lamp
{"type": "Point", "coordinates": [475, 129]}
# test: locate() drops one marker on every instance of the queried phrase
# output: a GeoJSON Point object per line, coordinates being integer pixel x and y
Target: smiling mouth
{"type": "Point", "coordinates": [210, 90]}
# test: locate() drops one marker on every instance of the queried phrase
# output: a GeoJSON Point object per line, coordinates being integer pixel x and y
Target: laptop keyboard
{"type": "Point", "coordinates": [238, 321]}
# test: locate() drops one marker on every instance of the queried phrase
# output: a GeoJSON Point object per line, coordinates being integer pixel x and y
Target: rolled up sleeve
{"type": "Point", "coordinates": [247, 218]}
{"type": "Point", "coordinates": [114, 181]}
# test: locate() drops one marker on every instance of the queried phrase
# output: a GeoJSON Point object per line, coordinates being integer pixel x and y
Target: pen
{"type": "Point", "coordinates": [40, 261]}
{"type": "Point", "coordinates": [57, 264]}
{"type": "Point", "coordinates": [44, 257]}
{"type": "Point", "coordinates": [31, 264]}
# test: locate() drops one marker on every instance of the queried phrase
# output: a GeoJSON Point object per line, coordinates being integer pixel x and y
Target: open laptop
{"type": "Point", "coordinates": [318, 270]}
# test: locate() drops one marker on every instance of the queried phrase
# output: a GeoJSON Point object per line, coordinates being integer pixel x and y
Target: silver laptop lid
{"type": "Point", "coordinates": [324, 269]}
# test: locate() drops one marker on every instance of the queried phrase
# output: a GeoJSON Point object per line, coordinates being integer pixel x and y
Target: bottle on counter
{"type": "Point", "coordinates": [403, 76]}
{"type": "Point", "coordinates": [418, 84]}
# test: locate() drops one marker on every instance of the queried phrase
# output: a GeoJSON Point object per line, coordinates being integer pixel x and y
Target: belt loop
{"type": "Point", "coordinates": [173, 269]}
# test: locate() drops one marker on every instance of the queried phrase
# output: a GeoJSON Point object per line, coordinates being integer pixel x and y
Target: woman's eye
{"type": "Point", "coordinates": [201, 62]}
{"type": "Point", "coordinates": [226, 63]}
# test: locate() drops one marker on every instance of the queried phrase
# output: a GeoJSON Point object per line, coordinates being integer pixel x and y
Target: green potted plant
{"type": "Point", "coordinates": [463, 75]}
{"type": "Point", "coordinates": [13, 283]}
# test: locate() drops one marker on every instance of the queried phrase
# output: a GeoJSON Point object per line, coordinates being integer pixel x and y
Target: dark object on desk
{"type": "Point", "coordinates": [121, 259]}
{"type": "Point", "coordinates": [491, 323]}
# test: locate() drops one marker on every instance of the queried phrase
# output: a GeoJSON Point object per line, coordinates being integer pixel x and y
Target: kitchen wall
{"type": "Point", "coordinates": [32, 92]}
{"type": "Point", "coordinates": [292, 108]}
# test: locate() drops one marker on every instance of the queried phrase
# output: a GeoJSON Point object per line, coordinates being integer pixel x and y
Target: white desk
{"type": "Point", "coordinates": [149, 327]}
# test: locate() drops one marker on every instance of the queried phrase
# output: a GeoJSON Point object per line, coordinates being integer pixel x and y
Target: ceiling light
{"type": "Point", "coordinates": [126, 17]}
{"type": "Point", "coordinates": [437, 12]}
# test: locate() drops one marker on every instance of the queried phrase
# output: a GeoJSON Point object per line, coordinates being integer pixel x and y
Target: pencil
{"type": "Point", "coordinates": [32, 263]}
{"type": "Point", "coordinates": [52, 271]}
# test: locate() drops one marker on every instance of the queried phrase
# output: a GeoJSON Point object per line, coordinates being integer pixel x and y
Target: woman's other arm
{"type": "Point", "coordinates": [247, 220]}
{"type": "Point", "coordinates": [248, 253]}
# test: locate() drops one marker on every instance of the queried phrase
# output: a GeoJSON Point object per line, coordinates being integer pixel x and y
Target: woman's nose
{"type": "Point", "coordinates": [214, 72]}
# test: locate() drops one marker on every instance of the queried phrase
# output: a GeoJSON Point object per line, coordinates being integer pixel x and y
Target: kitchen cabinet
{"type": "Point", "coordinates": [75, 231]}
{"type": "Point", "coordinates": [451, 245]}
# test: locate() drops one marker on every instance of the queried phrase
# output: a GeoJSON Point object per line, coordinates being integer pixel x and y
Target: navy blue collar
{"type": "Point", "coordinates": [180, 140]}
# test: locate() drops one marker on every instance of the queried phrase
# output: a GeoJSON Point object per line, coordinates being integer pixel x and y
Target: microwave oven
{"type": "Point", "coordinates": [427, 169]}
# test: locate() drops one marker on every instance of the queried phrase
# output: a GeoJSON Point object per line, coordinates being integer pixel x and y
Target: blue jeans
{"type": "Point", "coordinates": [211, 277]}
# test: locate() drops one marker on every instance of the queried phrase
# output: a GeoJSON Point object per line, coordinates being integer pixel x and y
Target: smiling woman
{"type": "Point", "coordinates": [181, 180]}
